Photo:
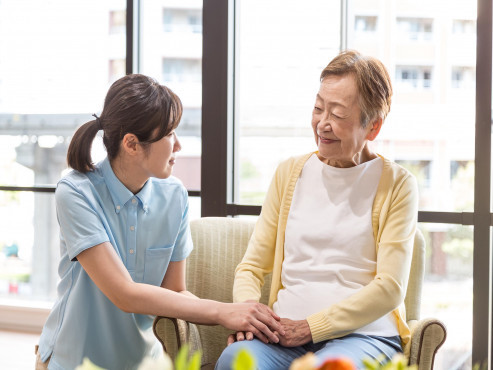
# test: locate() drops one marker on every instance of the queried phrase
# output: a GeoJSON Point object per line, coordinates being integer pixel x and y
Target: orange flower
{"type": "Point", "coordinates": [339, 363]}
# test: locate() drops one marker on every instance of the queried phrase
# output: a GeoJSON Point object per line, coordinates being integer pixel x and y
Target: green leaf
{"type": "Point", "coordinates": [243, 361]}
{"type": "Point", "coordinates": [194, 363]}
{"type": "Point", "coordinates": [182, 358]}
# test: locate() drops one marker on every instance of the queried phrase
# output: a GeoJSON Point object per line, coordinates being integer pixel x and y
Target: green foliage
{"type": "Point", "coordinates": [243, 361]}
{"type": "Point", "coordinates": [185, 362]}
{"type": "Point", "coordinates": [398, 362]}
{"type": "Point", "coordinates": [252, 197]}
{"type": "Point", "coordinates": [477, 366]}
{"type": "Point", "coordinates": [248, 170]}
{"type": "Point", "coordinates": [88, 365]}
{"type": "Point", "coordinates": [459, 243]}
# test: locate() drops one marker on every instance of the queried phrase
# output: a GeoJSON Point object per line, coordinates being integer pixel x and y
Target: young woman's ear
{"type": "Point", "coordinates": [375, 129]}
{"type": "Point", "coordinates": [130, 144]}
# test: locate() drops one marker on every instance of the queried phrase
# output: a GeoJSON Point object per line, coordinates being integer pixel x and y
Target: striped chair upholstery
{"type": "Point", "coordinates": [220, 244]}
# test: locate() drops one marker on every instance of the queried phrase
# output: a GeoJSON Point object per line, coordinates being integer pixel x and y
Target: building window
{"type": "Point", "coordinates": [182, 70]}
{"type": "Point", "coordinates": [182, 20]}
{"type": "Point", "coordinates": [414, 76]}
{"type": "Point", "coordinates": [116, 69]}
{"type": "Point", "coordinates": [365, 23]}
{"type": "Point", "coordinates": [463, 77]}
{"type": "Point", "coordinates": [416, 28]}
{"type": "Point", "coordinates": [464, 26]}
{"type": "Point", "coordinates": [117, 21]}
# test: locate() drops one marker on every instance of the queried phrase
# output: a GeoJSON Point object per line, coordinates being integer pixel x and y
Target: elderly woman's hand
{"type": "Point", "coordinates": [297, 333]}
{"type": "Point", "coordinates": [240, 336]}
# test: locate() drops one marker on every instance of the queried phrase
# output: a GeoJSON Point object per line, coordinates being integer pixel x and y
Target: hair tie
{"type": "Point", "coordinates": [98, 121]}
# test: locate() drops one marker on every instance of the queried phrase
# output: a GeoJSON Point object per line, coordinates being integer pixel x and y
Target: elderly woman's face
{"type": "Point", "coordinates": [336, 122]}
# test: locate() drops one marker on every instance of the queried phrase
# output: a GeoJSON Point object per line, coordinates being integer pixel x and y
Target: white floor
{"type": "Point", "coordinates": [17, 350]}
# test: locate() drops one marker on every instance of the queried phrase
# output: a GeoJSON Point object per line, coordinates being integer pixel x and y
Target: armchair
{"type": "Point", "coordinates": [220, 244]}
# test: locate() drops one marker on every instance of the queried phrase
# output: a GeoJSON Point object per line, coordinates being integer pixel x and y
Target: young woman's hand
{"type": "Point", "coordinates": [251, 317]}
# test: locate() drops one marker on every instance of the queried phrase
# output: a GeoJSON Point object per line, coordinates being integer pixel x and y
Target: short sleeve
{"type": "Point", "coordinates": [183, 245]}
{"type": "Point", "coordinates": [80, 225]}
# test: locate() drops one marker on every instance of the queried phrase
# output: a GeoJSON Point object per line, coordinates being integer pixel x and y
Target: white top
{"type": "Point", "coordinates": [329, 249]}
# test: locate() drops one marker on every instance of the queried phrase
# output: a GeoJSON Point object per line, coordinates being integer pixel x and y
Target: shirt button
{"type": "Point", "coordinates": [134, 201]}
{"type": "Point", "coordinates": [132, 228]}
{"type": "Point", "coordinates": [131, 251]}
{"type": "Point", "coordinates": [118, 207]}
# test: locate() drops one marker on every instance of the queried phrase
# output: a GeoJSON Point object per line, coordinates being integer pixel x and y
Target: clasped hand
{"type": "Point", "coordinates": [295, 333]}
{"type": "Point", "coordinates": [254, 318]}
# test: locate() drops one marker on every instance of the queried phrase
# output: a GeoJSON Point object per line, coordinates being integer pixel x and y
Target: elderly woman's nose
{"type": "Point", "coordinates": [324, 123]}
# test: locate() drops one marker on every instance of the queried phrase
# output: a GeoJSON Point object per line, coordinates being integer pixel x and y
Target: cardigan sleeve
{"type": "Point", "coordinates": [259, 258]}
{"type": "Point", "coordinates": [388, 288]}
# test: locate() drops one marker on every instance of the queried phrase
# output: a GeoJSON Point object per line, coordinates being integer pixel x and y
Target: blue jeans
{"type": "Point", "coordinates": [274, 356]}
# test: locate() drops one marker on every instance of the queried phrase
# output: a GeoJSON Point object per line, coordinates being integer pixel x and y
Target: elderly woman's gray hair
{"type": "Point", "coordinates": [372, 78]}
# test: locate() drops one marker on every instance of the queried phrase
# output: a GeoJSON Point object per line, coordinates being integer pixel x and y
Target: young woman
{"type": "Point", "coordinates": [124, 238]}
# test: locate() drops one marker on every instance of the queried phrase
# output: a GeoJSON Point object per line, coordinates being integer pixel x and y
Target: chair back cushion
{"type": "Point", "coordinates": [219, 246]}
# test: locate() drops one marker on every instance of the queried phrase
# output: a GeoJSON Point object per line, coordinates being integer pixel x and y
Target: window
{"type": "Point", "coordinates": [365, 23]}
{"type": "Point", "coordinates": [117, 21]}
{"type": "Point", "coordinates": [41, 104]}
{"type": "Point", "coordinates": [182, 70]}
{"type": "Point", "coordinates": [276, 80]}
{"type": "Point", "coordinates": [182, 20]}
{"type": "Point", "coordinates": [464, 26]}
{"type": "Point", "coordinates": [171, 51]}
{"type": "Point", "coordinates": [425, 131]}
{"type": "Point", "coordinates": [414, 77]}
{"type": "Point", "coordinates": [415, 28]}
{"type": "Point", "coordinates": [463, 77]}
{"type": "Point", "coordinates": [116, 69]}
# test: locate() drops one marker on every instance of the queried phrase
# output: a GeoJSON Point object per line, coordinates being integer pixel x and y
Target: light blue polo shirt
{"type": "Point", "coordinates": [147, 230]}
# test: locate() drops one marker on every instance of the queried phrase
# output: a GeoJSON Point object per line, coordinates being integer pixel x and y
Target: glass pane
{"type": "Point", "coordinates": [194, 207]}
{"type": "Point", "coordinates": [171, 52]}
{"type": "Point", "coordinates": [447, 290]}
{"type": "Point", "coordinates": [53, 75]}
{"type": "Point", "coordinates": [431, 60]}
{"type": "Point", "coordinates": [29, 246]}
{"type": "Point", "coordinates": [52, 79]}
{"type": "Point", "coordinates": [281, 48]}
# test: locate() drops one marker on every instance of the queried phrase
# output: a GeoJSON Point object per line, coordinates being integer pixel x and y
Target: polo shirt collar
{"type": "Point", "coordinates": [144, 195]}
{"type": "Point", "coordinates": [119, 193]}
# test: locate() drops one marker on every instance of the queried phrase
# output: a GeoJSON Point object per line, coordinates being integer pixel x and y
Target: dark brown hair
{"type": "Point", "coordinates": [372, 79]}
{"type": "Point", "coordinates": [134, 104]}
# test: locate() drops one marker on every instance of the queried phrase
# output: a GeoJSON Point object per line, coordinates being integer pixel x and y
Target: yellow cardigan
{"type": "Point", "coordinates": [394, 219]}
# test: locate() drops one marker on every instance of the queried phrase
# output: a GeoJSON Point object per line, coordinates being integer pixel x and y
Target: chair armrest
{"type": "Point", "coordinates": [427, 336]}
{"type": "Point", "coordinates": [185, 332]}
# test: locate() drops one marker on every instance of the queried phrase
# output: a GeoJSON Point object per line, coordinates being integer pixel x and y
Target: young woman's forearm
{"type": "Point", "coordinates": [152, 300]}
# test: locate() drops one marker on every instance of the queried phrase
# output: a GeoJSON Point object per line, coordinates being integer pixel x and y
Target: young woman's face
{"type": "Point", "coordinates": [161, 156]}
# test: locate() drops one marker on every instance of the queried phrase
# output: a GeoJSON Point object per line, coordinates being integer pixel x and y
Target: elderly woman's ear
{"type": "Point", "coordinates": [375, 129]}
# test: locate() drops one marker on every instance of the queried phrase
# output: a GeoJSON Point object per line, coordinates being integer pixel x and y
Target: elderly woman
{"type": "Point", "coordinates": [336, 231]}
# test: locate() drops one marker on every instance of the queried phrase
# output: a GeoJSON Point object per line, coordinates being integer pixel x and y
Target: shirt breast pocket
{"type": "Point", "coordinates": [156, 264]}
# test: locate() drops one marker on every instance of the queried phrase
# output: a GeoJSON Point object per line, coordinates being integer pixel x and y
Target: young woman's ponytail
{"type": "Point", "coordinates": [79, 150]}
